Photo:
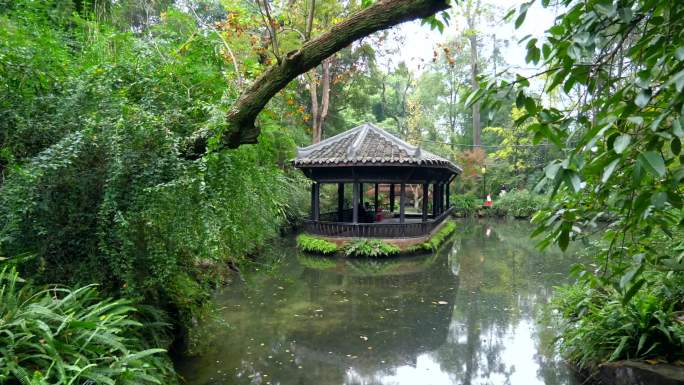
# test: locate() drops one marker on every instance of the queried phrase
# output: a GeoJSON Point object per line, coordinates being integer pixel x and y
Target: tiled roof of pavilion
{"type": "Point", "coordinates": [368, 145]}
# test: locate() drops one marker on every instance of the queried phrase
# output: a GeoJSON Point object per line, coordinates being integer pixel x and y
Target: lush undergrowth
{"type": "Point", "coordinates": [311, 244]}
{"type": "Point", "coordinates": [465, 205]}
{"type": "Point", "coordinates": [516, 204]}
{"type": "Point", "coordinates": [372, 248]}
{"type": "Point", "coordinates": [596, 325]}
{"type": "Point", "coordinates": [54, 335]}
{"type": "Point", "coordinates": [92, 118]}
{"type": "Point", "coordinates": [436, 240]}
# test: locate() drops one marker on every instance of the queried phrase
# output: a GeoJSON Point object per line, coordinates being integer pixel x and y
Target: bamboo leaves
{"type": "Point", "coordinates": [67, 336]}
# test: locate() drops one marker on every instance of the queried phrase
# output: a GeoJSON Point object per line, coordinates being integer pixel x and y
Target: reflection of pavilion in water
{"type": "Point", "coordinates": [391, 314]}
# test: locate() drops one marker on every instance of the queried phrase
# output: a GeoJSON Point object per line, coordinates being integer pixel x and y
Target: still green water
{"type": "Point", "coordinates": [464, 315]}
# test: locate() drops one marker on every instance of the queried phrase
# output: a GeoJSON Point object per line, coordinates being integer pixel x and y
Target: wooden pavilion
{"type": "Point", "coordinates": [370, 155]}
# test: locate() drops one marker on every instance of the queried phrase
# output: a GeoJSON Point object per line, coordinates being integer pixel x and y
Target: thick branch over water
{"type": "Point", "coordinates": [240, 120]}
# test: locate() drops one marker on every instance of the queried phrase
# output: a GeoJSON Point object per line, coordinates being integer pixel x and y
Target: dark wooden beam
{"type": "Point", "coordinates": [435, 193]}
{"type": "Point", "coordinates": [426, 189]}
{"type": "Point", "coordinates": [340, 202]}
{"type": "Point", "coordinates": [391, 197]}
{"type": "Point", "coordinates": [355, 203]}
{"type": "Point", "coordinates": [376, 200]}
{"type": "Point", "coordinates": [316, 201]}
{"type": "Point", "coordinates": [402, 203]}
{"type": "Point", "coordinates": [361, 195]}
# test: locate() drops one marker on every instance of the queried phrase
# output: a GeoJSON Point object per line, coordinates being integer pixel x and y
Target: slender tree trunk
{"type": "Point", "coordinates": [325, 96]}
{"type": "Point", "coordinates": [477, 130]}
{"type": "Point", "coordinates": [313, 91]}
{"type": "Point", "coordinates": [472, 8]}
{"type": "Point", "coordinates": [309, 19]}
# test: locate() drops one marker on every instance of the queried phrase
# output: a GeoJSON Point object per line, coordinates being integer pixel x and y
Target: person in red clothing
{"type": "Point", "coordinates": [488, 202]}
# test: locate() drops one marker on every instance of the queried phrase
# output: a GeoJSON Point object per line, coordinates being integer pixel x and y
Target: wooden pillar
{"type": "Point", "coordinates": [391, 197]}
{"type": "Point", "coordinates": [448, 196]}
{"type": "Point", "coordinates": [434, 200]}
{"type": "Point", "coordinates": [441, 197]}
{"type": "Point", "coordinates": [376, 198]}
{"type": "Point", "coordinates": [424, 211]}
{"type": "Point", "coordinates": [355, 202]}
{"type": "Point", "coordinates": [361, 194]}
{"type": "Point", "coordinates": [340, 202]}
{"type": "Point", "coordinates": [315, 201]}
{"type": "Point", "coordinates": [402, 203]}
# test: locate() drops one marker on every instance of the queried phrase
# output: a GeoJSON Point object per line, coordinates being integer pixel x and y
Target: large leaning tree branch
{"type": "Point", "coordinates": [240, 121]}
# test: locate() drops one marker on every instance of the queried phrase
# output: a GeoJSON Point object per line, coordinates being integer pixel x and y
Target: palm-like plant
{"type": "Point", "coordinates": [60, 336]}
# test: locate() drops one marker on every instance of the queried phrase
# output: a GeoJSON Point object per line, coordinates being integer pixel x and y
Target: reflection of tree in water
{"type": "Point", "coordinates": [501, 282]}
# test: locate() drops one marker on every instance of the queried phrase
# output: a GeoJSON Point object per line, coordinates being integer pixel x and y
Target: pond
{"type": "Point", "coordinates": [463, 315]}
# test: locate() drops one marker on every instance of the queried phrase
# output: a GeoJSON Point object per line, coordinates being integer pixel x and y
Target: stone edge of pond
{"type": "Point", "coordinates": [328, 247]}
{"type": "Point", "coordinates": [628, 372]}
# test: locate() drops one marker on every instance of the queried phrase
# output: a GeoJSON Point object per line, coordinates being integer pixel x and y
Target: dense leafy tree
{"type": "Point", "coordinates": [622, 164]}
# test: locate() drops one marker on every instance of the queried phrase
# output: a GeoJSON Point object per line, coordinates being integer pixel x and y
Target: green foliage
{"type": "Point", "coordinates": [465, 204]}
{"type": "Point", "coordinates": [596, 326]}
{"type": "Point", "coordinates": [436, 240]}
{"type": "Point", "coordinates": [312, 244]}
{"type": "Point", "coordinates": [519, 204]}
{"type": "Point", "coordinates": [91, 119]}
{"type": "Point", "coordinates": [622, 160]}
{"type": "Point", "coordinates": [55, 335]}
{"type": "Point", "coordinates": [370, 248]}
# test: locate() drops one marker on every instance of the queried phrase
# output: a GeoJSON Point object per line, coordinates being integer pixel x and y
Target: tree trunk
{"type": "Point", "coordinates": [471, 15]}
{"type": "Point", "coordinates": [240, 120]}
{"type": "Point", "coordinates": [473, 79]}
{"type": "Point", "coordinates": [313, 91]}
{"type": "Point", "coordinates": [325, 97]}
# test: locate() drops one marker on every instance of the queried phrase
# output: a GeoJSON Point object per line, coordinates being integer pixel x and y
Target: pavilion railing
{"type": "Point", "coordinates": [328, 227]}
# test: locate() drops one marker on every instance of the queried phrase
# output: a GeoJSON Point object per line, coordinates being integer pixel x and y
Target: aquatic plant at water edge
{"type": "Point", "coordinates": [436, 240]}
{"type": "Point", "coordinates": [312, 244]}
{"type": "Point", "coordinates": [370, 248]}
{"type": "Point", "coordinates": [595, 325]}
{"type": "Point", "coordinates": [56, 335]}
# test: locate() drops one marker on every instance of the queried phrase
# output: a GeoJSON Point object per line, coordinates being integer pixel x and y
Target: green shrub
{"type": "Point", "coordinates": [519, 204]}
{"type": "Point", "coordinates": [436, 240]}
{"type": "Point", "coordinates": [465, 204]}
{"type": "Point", "coordinates": [596, 325]}
{"type": "Point", "coordinates": [60, 336]}
{"type": "Point", "coordinates": [370, 248]}
{"type": "Point", "coordinates": [315, 245]}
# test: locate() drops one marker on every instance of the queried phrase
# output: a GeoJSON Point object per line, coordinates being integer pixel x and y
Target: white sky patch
{"type": "Point", "coordinates": [417, 42]}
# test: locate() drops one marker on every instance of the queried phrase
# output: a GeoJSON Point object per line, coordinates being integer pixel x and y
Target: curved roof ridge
{"type": "Point", "coordinates": [409, 147]}
{"type": "Point", "coordinates": [327, 141]}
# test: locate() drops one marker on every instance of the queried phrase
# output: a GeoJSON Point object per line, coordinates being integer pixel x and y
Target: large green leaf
{"type": "Point", "coordinates": [621, 143]}
{"type": "Point", "coordinates": [608, 171]}
{"type": "Point", "coordinates": [653, 162]}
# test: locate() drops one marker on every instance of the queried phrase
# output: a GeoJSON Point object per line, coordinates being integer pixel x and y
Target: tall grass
{"type": "Point", "coordinates": [61, 336]}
